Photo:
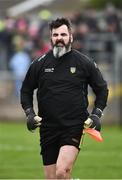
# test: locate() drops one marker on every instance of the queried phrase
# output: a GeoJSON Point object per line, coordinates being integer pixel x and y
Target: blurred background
{"type": "Point", "coordinates": [24, 35]}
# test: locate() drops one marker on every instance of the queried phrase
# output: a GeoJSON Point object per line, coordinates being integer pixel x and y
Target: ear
{"type": "Point", "coordinates": [50, 33]}
{"type": "Point", "coordinates": [71, 38]}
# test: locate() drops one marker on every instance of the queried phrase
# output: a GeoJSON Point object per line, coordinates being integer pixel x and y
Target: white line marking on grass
{"type": "Point", "coordinates": [101, 153]}
{"type": "Point", "coordinates": [8, 147]}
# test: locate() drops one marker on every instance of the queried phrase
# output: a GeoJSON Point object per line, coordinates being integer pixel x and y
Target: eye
{"type": "Point", "coordinates": [55, 35]}
{"type": "Point", "coordinates": [64, 34]}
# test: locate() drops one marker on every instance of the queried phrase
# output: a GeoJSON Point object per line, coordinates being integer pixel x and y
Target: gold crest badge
{"type": "Point", "coordinates": [72, 70]}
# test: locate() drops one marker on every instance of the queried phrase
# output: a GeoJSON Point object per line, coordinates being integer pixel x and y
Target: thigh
{"type": "Point", "coordinates": [69, 146]}
{"type": "Point", "coordinates": [67, 157]}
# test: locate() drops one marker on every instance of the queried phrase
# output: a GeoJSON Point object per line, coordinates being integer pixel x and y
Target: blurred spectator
{"type": "Point", "coordinates": [80, 35]}
{"type": "Point", "coordinates": [40, 47]}
{"type": "Point", "coordinates": [91, 19]}
{"type": "Point", "coordinates": [112, 19]}
{"type": "Point", "coordinates": [113, 30]}
{"type": "Point", "coordinates": [2, 46]}
{"type": "Point", "coordinates": [33, 28]}
{"type": "Point", "coordinates": [6, 36]}
{"type": "Point", "coordinates": [19, 64]}
{"type": "Point", "coordinates": [21, 25]}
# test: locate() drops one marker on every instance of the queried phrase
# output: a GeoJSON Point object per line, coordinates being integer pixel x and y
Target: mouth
{"type": "Point", "coordinates": [60, 44]}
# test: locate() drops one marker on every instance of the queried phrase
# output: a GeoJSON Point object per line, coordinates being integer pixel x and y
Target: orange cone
{"type": "Point", "coordinates": [94, 134]}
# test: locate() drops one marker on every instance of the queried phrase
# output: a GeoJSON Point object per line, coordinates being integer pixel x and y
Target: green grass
{"type": "Point", "coordinates": [20, 158]}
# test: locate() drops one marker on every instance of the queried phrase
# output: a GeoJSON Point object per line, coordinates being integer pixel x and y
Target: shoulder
{"type": "Point", "coordinates": [41, 59]}
{"type": "Point", "coordinates": [85, 61]}
{"type": "Point", "coordinates": [82, 57]}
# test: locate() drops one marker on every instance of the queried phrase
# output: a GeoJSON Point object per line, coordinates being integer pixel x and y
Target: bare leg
{"type": "Point", "coordinates": [65, 161]}
{"type": "Point", "coordinates": [50, 171]}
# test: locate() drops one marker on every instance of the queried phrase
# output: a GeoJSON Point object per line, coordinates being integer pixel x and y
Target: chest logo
{"type": "Point", "coordinates": [49, 70]}
{"type": "Point", "coordinates": [72, 70]}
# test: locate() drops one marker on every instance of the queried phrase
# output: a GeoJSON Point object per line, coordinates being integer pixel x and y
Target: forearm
{"type": "Point", "coordinates": [26, 99]}
{"type": "Point", "coordinates": [101, 98]}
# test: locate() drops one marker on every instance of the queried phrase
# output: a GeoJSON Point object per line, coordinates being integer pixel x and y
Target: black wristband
{"type": "Point", "coordinates": [29, 111]}
{"type": "Point", "coordinates": [97, 112]}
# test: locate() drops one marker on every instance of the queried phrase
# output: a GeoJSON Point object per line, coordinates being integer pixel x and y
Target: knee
{"type": "Point", "coordinates": [61, 173]}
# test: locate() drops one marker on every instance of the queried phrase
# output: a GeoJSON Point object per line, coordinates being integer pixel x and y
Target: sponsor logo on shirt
{"type": "Point", "coordinates": [72, 70]}
{"type": "Point", "coordinates": [49, 70]}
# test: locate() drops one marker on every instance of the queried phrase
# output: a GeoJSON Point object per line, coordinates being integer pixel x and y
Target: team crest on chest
{"type": "Point", "coordinates": [72, 70]}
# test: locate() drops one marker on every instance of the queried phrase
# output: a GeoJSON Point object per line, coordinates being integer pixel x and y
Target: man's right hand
{"type": "Point", "coordinates": [33, 121]}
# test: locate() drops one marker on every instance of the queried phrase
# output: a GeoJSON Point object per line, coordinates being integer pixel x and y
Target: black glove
{"type": "Point", "coordinates": [93, 120]}
{"type": "Point", "coordinates": [33, 121]}
{"type": "Point", "coordinates": [96, 123]}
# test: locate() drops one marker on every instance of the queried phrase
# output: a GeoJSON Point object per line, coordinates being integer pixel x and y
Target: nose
{"type": "Point", "coordinates": [59, 37]}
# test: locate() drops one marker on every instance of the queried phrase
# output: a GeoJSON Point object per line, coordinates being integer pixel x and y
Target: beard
{"type": "Point", "coordinates": [59, 51]}
{"type": "Point", "coordinates": [60, 48]}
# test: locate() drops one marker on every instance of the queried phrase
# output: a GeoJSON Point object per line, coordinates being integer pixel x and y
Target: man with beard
{"type": "Point", "coordinates": [61, 78]}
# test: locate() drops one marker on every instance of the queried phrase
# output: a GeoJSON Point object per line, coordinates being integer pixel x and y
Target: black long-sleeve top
{"type": "Point", "coordinates": [62, 88]}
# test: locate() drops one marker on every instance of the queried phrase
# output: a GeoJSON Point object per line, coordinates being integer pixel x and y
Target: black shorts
{"type": "Point", "coordinates": [51, 139]}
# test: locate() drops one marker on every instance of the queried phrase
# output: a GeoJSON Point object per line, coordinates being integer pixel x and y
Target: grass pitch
{"type": "Point", "coordinates": [20, 159]}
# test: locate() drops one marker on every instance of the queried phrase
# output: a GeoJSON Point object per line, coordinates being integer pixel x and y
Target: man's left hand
{"type": "Point", "coordinates": [93, 121]}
